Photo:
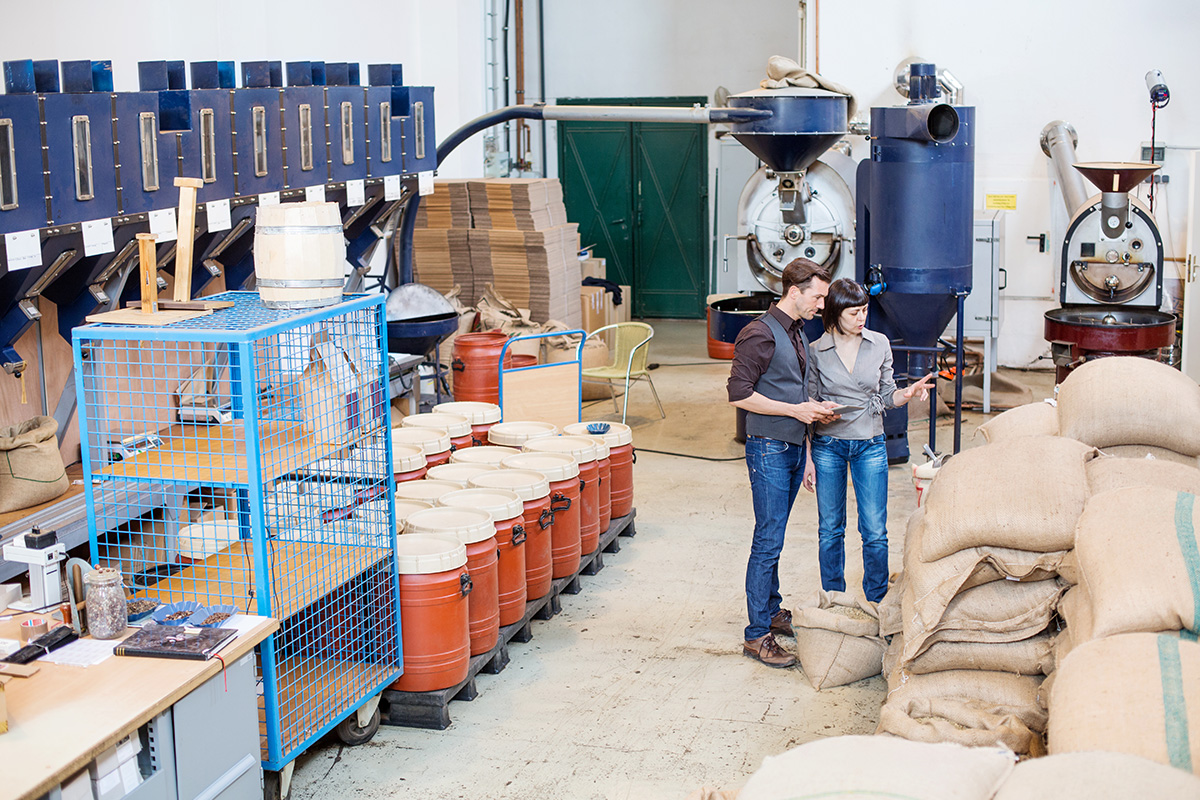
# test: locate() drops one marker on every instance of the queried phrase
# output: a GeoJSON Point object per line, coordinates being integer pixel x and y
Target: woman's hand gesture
{"type": "Point", "coordinates": [922, 386]}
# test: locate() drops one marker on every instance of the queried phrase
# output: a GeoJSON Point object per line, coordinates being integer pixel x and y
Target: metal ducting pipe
{"type": "Point", "coordinates": [1058, 143]}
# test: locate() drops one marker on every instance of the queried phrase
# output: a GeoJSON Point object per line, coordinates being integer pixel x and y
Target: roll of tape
{"type": "Point", "coordinates": [32, 629]}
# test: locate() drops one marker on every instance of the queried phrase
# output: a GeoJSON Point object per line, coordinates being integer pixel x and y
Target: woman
{"type": "Point", "coordinates": [852, 366]}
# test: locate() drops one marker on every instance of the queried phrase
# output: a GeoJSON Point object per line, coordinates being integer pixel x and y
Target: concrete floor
{"type": "Point", "coordinates": [638, 689]}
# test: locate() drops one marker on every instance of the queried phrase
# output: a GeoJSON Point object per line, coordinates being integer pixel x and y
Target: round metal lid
{"type": "Point", "coordinates": [502, 504]}
{"type": "Point", "coordinates": [407, 457]}
{"type": "Point", "coordinates": [425, 489]}
{"type": "Point", "coordinates": [585, 449]}
{"type": "Point", "coordinates": [458, 472]}
{"type": "Point", "coordinates": [515, 434]}
{"type": "Point", "coordinates": [477, 413]}
{"type": "Point", "coordinates": [617, 434]}
{"type": "Point", "coordinates": [526, 483]}
{"type": "Point", "coordinates": [430, 440]}
{"type": "Point", "coordinates": [488, 454]}
{"type": "Point", "coordinates": [470, 525]}
{"type": "Point", "coordinates": [424, 554]}
{"type": "Point", "coordinates": [454, 424]}
{"type": "Point", "coordinates": [555, 466]}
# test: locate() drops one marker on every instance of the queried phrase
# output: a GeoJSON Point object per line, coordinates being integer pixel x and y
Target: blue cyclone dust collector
{"type": "Point", "coordinates": [914, 206]}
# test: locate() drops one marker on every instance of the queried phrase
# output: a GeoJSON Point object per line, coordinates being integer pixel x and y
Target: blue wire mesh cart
{"type": "Point", "coordinates": [267, 431]}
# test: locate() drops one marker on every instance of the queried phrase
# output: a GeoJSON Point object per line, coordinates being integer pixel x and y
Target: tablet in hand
{"type": "Point", "coordinates": [839, 410]}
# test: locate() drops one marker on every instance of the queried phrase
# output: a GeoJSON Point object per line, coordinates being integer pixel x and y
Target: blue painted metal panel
{"type": "Point", "coordinates": [19, 112]}
{"type": "Point", "coordinates": [415, 104]}
{"type": "Point", "coordinates": [258, 171]}
{"type": "Point", "coordinates": [347, 153]}
{"type": "Point", "coordinates": [210, 105]}
{"type": "Point", "coordinates": [141, 192]}
{"type": "Point", "coordinates": [383, 132]}
{"type": "Point", "coordinates": [305, 155]}
{"type": "Point", "coordinates": [67, 203]}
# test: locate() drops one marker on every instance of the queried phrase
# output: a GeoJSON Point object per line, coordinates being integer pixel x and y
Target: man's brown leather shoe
{"type": "Point", "coordinates": [781, 623]}
{"type": "Point", "coordinates": [768, 651]}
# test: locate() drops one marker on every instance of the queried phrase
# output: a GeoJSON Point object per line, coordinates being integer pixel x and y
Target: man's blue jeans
{"type": "Point", "coordinates": [867, 461]}
{"type": "Point", "coordinates": [776, 472]}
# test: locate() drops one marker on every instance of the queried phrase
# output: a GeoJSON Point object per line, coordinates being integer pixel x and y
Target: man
{"type": "Point", "coordinates": [767, 379]}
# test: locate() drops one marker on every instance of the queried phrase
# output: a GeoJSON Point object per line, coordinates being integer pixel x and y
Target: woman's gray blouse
{"type": "Point", "coordinates": [870, 387]}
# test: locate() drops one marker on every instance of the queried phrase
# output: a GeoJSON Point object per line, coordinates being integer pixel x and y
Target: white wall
{"type": "Point", "coordinates": [1025, 63]}
{"type": "Point", "coordinates": [439, 42]}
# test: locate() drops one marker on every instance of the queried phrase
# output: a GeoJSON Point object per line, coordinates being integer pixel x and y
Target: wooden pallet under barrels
{"type": "Point", "coordinates": [432, 709]}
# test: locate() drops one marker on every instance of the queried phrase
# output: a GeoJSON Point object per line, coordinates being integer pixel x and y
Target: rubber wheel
{"type": "Point", "coordinates": [272, 786]}
{"type": "Point", "coordinates": [351, 734]}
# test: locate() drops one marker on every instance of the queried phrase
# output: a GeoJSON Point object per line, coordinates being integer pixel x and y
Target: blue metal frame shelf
{"type": "Point", "coordinates": [253, 524]}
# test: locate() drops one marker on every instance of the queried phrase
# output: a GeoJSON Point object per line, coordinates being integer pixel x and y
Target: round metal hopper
{"type": "Point", "coordinates": [419, 319]}
{"type": "Point", "coordinates": [803, 124]}
{"type": "Point", "coordinates": [1116, 176]}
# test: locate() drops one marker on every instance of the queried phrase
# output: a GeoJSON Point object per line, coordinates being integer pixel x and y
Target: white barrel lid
{"type": "Point", "coordinates": [478, 413]}
{"type": "Point", "coordinates": [515, 434]}
{"type": "Point", "coordinates": [454, 424]}
{"type": "Point", "coordinates": [431, 440]}
{"type": "Point", "coordinates": [425, 489]}
{"type": "Point", "coordinates": [470, 525]}
{"type": "Point", "coordinates": [406, 506]}
{"type": "Point", "coordinates": [555, 466]}
{"type": "Point", "coordinates": [617, 434]}
{"type": "Point", "coordinates": [602, 449]}
{"type": "Point", "coordinates": [502, 504]}
{"type": "Point", "coordinates": [488, 454]}
{"type": "Point", "coordinates": [585, 449]}
{"type": "Point", "coordinates": [458, 472]}
{"type": "Point", "coordinates": [407, 457]}
{"type": "Point", "coordinates": [528, 484]}
{"type": "Point", "coordinates": [427, 554]}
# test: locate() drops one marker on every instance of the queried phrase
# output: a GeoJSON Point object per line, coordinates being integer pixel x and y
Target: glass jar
{"type": "Point", "coordinates": [107, 613]}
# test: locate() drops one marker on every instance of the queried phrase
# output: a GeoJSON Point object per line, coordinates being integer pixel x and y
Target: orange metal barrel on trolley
{"type": "Point", "coordinates": [434, 589]}
{"type": "Point", "coordinates": [475, 366]}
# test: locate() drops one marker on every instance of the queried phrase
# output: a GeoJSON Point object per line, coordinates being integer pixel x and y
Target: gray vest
{"type": "Point", "coordinates": [783, 381]}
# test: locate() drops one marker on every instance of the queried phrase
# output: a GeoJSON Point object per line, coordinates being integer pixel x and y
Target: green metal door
{"type": "Point", "coordinates": [639, 192]}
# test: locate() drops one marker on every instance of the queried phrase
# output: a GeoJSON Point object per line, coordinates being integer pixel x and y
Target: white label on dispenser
{"type": "Point", "coordinates": [22, 250]}
{"type": "Point", "coordinates": [217, 212]}
{"type": "Point", "coordinates": [314, 194]}
{"type": "Point", "coordinates": [391, 187]}
{"type": "Point", "coordinates": [98, 237]}
{"type": "Point", "coordinates": [268, 199]}
{"type": "Point", "coordinates": [356, 192]}
{"type": "Point", "coordinates": [425, 182]}
{"type": "Point", "coordinates": [162, 225]}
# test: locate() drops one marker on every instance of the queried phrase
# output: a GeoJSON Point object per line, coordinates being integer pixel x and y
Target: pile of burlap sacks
{"type": "Point", "coordinates": [1051, 585]}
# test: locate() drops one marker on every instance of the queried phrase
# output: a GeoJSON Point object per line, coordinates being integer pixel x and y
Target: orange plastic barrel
{"type": "Point", "coordinates": [619, 439]}
{"type": "Point", "coordinates": [434, 590]}
{"type": "Point", "coordinates": [562, 472]}
{"type": "Point", "coordinates": [425, 490]}
{"type": "Point", "coordinates": [516, 434]}
{"type": "Point", "coordinates": [408, 462]}
{"type": "Point", "coordinates": [435, 443]}
{"type": "Point", "coordinates": [482, 416]}
{"type": "Point", "coordinates": [476, 366]}
{"type": "Point", "coordinates": [586, 452]}
{"type": "Point", "coordinates": [524, 360]}
{"type": "Point", "coordinates": [405, 507]}
{"type": "Point", "coordinates": [534, 491]}
{"type": "Point", "coordinates": [485, 454]}
{"type": "Point", "coordinates": [456, 425]}
{"type": "Point", "coordinates": [459, 473]}
{"type": "Point", "coordinates": [474, 529]}
{"type": "Point", "coordinates": [507, 512]}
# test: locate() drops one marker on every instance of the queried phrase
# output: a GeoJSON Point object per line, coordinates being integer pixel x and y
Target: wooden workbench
{"type": "Point", "coordinates": [60, 719]}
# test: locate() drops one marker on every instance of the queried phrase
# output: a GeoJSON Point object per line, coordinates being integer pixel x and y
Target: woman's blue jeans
{"type": "Point", "coordinates": [867, 462]}
{"type": "Point", "coordinates": [776, 472]}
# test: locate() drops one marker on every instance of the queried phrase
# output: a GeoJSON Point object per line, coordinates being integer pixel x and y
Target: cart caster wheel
{"type": "Point", "coordinates": [351, 734]}
{"type": "Point", "coordinates": [272, 786]}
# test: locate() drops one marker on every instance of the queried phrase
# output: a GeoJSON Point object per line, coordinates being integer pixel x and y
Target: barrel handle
{"type": "Point", "coordinates": [546, 512]}
{"type": "Point", "coordinates": [557, 497]}
{"type": "Point", "coordinates": [453, 447]}
{"type": "Point", "coordinates": [457, 365]}
{"type": "Point", "coordinates": [475, 440]}
{"type": "Point", "coordinates": [518, 534]}
{"type": "Point", "coordinates": [464, 584]}
{"type": "Point", "coordinates": [633, 455]}
{"type": "Point", "coordinates": [582, 484]}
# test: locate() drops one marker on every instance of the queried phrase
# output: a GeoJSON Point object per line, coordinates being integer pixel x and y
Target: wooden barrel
{"type": "Point", "coordinates": [299, 255]}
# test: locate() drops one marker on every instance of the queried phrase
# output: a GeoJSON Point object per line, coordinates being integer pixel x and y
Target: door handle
{"type": "Point", "coordinates": [617, 221]}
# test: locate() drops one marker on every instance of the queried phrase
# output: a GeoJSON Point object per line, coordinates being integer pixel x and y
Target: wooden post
{"type": "Point", "coordinates": [187, 237]}
{"type": "Point", "coordinates": [148, 267]}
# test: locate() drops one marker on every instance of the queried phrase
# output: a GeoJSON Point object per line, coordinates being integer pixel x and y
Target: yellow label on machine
{"type": "Point", "coordinates": [1003, 202]}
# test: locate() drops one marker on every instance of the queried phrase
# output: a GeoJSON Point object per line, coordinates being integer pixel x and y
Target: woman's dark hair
{"type": "Point", "coordinates": [843, 293]}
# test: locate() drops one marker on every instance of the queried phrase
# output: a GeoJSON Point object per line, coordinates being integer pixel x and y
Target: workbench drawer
{"type": "Point", "coordinates": [216, 736]}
